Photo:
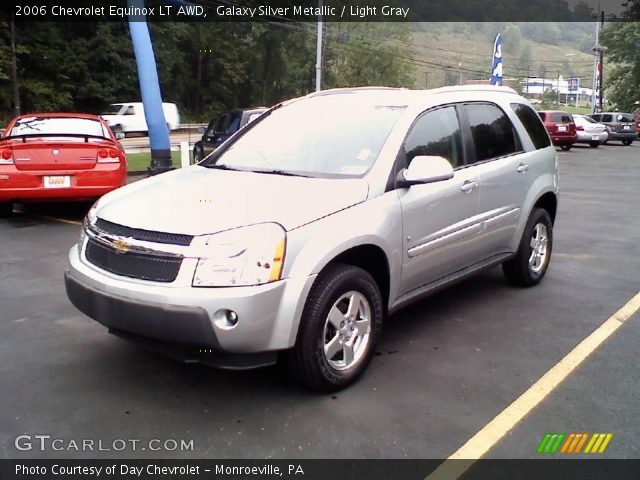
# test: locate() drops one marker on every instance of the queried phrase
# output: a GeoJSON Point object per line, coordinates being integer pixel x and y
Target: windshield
{"type": "Point", "coordinates": [326, 136]}
{"type": "Point", "coordinates": [58, 126]}
{"type": "Point", "coordinates": [112, 109]}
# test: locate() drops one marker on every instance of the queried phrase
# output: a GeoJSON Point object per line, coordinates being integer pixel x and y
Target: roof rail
{"type": "Point", "coordinates": [353, 90]}
{"type": "Point", "coordinates": [474, 88]}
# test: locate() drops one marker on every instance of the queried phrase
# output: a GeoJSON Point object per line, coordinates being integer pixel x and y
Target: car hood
{"type": "Point", "coordinates": [197, 200]}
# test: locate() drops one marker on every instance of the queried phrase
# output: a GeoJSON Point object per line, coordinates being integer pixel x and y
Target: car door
{"type": "Point", "coordinates": [505, 172]}
{"type": "Point", "coordinates": [439, 219]}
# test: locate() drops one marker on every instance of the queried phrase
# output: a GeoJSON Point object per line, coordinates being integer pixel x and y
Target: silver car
{"type": "Point", "coordinates": [301, 232]}
{"type": "Point", "coordinates": [589, 131]}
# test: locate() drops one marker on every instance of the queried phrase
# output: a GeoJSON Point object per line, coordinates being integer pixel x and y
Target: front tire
{"type": "Point", "coordinates": [197, 155]}
{"type": "Point", "coordinates": [340, 323]}
{"type": "Point", "coordinates": [530, 264]}
{"type": "Point", "coordinates": [626, 143]}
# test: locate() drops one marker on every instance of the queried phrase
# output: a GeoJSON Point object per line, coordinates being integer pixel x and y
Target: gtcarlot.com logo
{"type": "Point", "coordinates": [45, 442]}
{"type": "Point", "coordinates": [574, 443]}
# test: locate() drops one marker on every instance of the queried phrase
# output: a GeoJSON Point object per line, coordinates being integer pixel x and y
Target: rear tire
{"type": "Point", "coordinates": [6, 209]}
{"type": "Point", "coordinates": [594, 144]}
{"type": "Point", "coordinates": [530, 264]}
{"type": "Point", "coordinates": [566, 147]}
{"type": "Point", "coordinates": [337, 334]}
{"type": "Point", "coordinates": [626, 143]}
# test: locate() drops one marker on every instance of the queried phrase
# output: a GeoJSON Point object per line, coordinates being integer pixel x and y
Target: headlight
{"type": "Point", "coordinates": [243, 256]}
{"type": "Point", "coordinates": [89, 219]}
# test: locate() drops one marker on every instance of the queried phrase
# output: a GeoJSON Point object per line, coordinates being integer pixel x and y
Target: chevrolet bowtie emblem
{"type": "Point", "coordinates": [121, 245]}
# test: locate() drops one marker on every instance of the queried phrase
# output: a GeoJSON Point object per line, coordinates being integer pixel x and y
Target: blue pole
{"type": "Point", "coordinates": [150, 91]}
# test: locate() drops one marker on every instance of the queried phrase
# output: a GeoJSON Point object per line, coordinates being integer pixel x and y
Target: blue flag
{"type": "Point", "coordinates": [496, 64]}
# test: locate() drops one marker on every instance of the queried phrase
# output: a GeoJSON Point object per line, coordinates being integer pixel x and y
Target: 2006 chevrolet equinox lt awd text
{"type": "Point", "coordinates": [302, 231]}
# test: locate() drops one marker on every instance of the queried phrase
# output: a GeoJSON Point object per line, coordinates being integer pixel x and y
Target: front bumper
{"type": "Point", "coordinates": [182, 316]}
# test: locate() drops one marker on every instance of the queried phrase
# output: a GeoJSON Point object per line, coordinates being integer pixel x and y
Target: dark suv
{"type": "Point", "coordinates": [621, 126]}
{"type": "Point", "coordinates": [222, 127]}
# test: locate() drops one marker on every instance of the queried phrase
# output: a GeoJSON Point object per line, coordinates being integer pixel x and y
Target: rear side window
{"type": "Point", "coordinates": [596, 117]}
{"type": "Point", "coordinates": [436, 132]}
{"type": "Point", "coordinates": [532, 125]}
{"type": "Point", "coordinates": [606, 117]}
{"type": "Point", "coordinates": [492, 131]}
{"type": "Point", "coordinates": [542, 115]}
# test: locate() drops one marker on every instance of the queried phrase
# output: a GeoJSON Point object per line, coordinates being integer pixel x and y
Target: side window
{"type": "Point", "coordinates": [606, 118]}
{"type": "Point", "coordinates": [542, 115]}
{"type": "Point", "coordinates": [596, 117]}
{"type": "Point", "coordinates": [234, 123]}
{"type": "Point", "coordinates": [492, 131]}
{"type": "Point", "coordinates": [532, 125]}
{"type": "Point", "coordinates": [130, 111]}
{"type": "Point", "coordinates": [223, 122]}
{"type": "Point", "coordinates": [436, 132]}
{"type": "Point", "coordinates": [211, 127]}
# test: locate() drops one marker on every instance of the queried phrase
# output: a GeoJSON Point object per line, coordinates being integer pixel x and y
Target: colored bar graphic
{"type": "Point", "coordinates": [574, 442]}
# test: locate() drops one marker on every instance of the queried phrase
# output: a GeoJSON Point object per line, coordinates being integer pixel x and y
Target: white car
{"type": "Point", "coordinates": [129, 117]}
{"type": "Point", "coordinates": [589, 131]}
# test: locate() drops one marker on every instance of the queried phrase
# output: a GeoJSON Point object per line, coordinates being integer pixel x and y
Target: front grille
{"type": "Point", "coordinates": [144, 235]}
{"type": "Point", "coordinates": [133, 265]}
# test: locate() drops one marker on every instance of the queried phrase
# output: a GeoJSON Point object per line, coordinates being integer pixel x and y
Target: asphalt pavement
{"type": "Point", "coordinates": [445, 367]}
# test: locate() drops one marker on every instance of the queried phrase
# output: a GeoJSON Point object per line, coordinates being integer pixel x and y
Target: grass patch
{"type": "Point", "coordinates": [137, 162]}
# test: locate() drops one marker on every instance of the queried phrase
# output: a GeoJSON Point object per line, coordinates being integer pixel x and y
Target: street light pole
{"type": "Point", "coordinates": [601, 64]}
{"type": "Point", "coordinates": [319, 49]}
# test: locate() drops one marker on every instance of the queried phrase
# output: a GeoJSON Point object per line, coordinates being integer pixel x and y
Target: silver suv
{"type": "Point", "coordinates": [298, 235]}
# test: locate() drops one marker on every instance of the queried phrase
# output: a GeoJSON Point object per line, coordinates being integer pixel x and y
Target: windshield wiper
{"type": "Point", "coordinates": [284, 173]}
{"type": "Point", "coordinates": [222, 167]}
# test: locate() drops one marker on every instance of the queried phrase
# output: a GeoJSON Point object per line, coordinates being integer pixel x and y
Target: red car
{"type": "Point", "coordinates": [561, 128]}
{"type": "Point", "coordinates": [58, 156]}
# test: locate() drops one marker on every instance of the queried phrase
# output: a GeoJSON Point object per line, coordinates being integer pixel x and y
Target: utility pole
{"type": "Point", "coordinates": [14, 69]}
{"type": "Point", "coordinates": [558, 87]}
{"type": "Point", "coordinates": [601, 64]}
{"type": "Point", "coordinates": [319, 49]}
{"type": "Point", "coordinates": [460, 68]}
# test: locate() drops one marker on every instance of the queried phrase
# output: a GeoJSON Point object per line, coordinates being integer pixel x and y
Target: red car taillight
{"type": "Point", "coordinates": [108, 155]}
{"type": "Point", "coordinates": [6, 156]}
{"type": "Point", "coordinates": [579, 127]}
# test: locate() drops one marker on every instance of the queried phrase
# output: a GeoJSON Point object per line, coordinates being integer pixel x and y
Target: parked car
{"type": "Point", "coordinates": [129, 117]}
{"type": "Point", "coordinates": [561, 128]}
{"type": "Point", "coordinates": [589, 131]}
{"type": "Point", "coordinates": [222, 127]}
{"type": "Point", "coordinates": [58, 156]}
{"type": "Point", "coordinates": [298, 237]}
{"type": "Point", "coordinates": [622, 127]}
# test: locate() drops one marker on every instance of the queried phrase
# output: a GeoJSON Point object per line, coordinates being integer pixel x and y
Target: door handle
{"type": "Point", "coordinates": [469, 186]}
{"type": "Point", "coordinates": [522, 168]}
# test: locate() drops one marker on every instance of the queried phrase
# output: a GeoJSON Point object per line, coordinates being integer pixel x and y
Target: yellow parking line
{"type": "Point", "coordinates": [54, 219]}
{"type": "Point", "coordinates": [478, 445]}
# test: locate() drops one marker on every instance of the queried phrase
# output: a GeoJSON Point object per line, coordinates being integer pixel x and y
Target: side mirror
{"type": "Point", "coordinates": [425, 169]}
{"type": "Point", "coordinates": [201, 130]}
{"type": "Point", "coordinates": [119, 135]}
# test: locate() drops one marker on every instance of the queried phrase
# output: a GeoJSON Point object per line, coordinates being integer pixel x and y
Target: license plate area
{"type": "Point", "coordinates": [57, 181]}
{"type": "Point", "coordinates": [561, 128]}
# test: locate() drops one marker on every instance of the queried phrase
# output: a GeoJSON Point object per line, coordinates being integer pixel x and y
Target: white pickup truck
{"type": "Point", "coordinates": [129, 117]}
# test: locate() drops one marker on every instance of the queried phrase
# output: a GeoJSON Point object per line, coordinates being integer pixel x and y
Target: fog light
{"type": "Point", "coordinates": [225, 319]}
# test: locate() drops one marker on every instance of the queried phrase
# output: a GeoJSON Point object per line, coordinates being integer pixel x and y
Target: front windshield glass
{"type": "Point", "coordinates": [58, 126]}
{"type": "Point", "coordinates": [112, 109]}
{"type": "Point", "coordinates": [326, 136]}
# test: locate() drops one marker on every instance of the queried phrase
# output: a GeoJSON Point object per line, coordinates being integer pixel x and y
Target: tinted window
{"type": "Point", "coordinates": [532, 125]}
{"type": "Point", "coordinates": [436, 132]}
{"type": "Point", "coordinates": [222, 123]}
{"type": "Point", "coordinates": [234, 123]}
{"type": "Point", "coordinates": [624, 118]}
{"type": "Point", "coordinates": [596, 117]}
{"type": "Point", "coordinates": [561, 117]}
{"type": "Point", "coordinates": [606, 117]}
{"type": "Point", "coordinates": [492, 131]}
{"type": "Point", "coordinates": [542, 115]}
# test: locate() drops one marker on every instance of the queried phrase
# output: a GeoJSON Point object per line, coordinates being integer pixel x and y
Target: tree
{"type": "Point", "coordinates": [621, 83]}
